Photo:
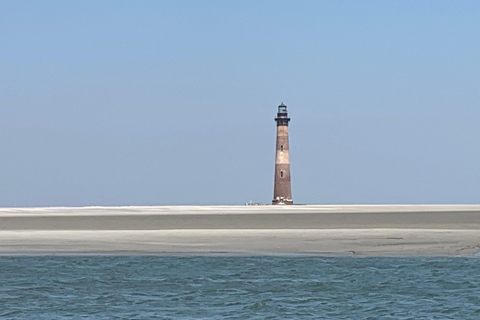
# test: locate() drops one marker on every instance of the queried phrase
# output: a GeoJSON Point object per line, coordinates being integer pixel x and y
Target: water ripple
{"type": "Point", "coordinates": [156, 287]}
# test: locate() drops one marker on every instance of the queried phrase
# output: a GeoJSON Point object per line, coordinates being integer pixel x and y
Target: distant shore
{"type": "Point", "coordinates": [365, 230]}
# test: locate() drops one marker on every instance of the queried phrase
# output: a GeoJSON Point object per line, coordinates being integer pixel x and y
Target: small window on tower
{"type": "Point", "coordinates": [281, 147]}
{"type": "Point", "coordinates": [281, 174]}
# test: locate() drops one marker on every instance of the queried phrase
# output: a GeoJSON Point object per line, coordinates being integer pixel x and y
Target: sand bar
{"type": "Point", "coordinates": [450, 230]}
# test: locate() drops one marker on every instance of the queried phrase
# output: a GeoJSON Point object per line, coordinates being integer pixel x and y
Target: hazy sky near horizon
{"type": "Point", "coordinates": [172, 102]}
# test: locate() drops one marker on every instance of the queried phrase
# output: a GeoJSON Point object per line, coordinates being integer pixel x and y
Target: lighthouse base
{"type": "Point", "coordinates": [282, 201]}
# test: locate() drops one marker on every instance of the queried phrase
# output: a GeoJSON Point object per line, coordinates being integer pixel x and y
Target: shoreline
{"type": "Point", "coordinates": [327, 230]}
{"type": "Point", "coordinates": [333, 242]}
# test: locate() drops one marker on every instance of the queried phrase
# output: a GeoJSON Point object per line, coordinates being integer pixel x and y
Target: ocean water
{"type": "Point", "coordinates": [238, 287]}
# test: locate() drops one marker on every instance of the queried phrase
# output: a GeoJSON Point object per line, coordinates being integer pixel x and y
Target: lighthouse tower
{"type": "Point", "coordinates": [282, 191]}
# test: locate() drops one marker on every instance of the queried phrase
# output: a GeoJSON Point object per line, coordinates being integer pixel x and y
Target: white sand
{"type": "Point", "coordinates": [323, 230]}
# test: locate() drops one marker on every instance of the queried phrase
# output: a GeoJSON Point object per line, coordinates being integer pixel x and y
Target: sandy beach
{"type": "Point", "coordinates": [364, 230]}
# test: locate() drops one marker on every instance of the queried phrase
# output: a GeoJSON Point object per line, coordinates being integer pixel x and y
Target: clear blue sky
{"type": "Point", "coordinates": [172, 102]}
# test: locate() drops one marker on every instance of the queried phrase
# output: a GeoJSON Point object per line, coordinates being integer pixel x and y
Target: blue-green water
{"type": "Point", "coordinates": [257, 287]}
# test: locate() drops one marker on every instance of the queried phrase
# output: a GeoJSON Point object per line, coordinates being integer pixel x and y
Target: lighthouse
{"type": "Point", "coordinates": [282, 190]}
